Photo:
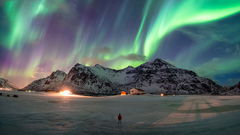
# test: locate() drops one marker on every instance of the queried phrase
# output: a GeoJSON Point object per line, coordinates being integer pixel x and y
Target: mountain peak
{"type": "Point", "coordinates": [52, 82]}
{"type": "Point", "coordinates": [2, 79]}
{"type": "Point", "coordinates": [4, 83]}
{"type": "Point", "coordinates": [156, 64]}
{"type": "Point", "coordinates": [160, 61]}
{"type": "Point", "coordinates": [59, 71]}
{"type": "Point", "coordinates": [79, 66]}
{"type": "Point", "coordinates": [128, 68]}
{"type": "Point", "coordinates": [99, 66]}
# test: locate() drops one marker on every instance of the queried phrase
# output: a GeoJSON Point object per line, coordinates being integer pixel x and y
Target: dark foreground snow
{"type": "Point", "coordinates": [52, 114]}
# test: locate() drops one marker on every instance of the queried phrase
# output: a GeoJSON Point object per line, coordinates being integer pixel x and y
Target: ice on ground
{"type": "Point", "coordinates": [52, 114]}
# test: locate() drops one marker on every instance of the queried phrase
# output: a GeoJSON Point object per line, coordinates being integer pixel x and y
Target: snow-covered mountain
{"type": "Point", "coordinates": [52, 82]}
{"type": "Point", "coordinates": [5, 84]}
{"type": "Point", "coordinates": [234, 90]}
{"type": "Point", "coordinates": [155, 77]}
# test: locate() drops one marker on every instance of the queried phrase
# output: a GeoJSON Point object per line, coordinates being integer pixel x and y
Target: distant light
{"type": "Point", "coordinates": [65, 93]}
{"type": "Point", "coordinates": [7, 89]}
{"type": "Point", "coordinates": [161, 94]}
{"type": "Point", "coordinates": [123, 93]}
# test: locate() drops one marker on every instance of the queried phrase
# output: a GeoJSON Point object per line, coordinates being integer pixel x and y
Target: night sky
{"type": "Point", "coordinates": [41, 36]}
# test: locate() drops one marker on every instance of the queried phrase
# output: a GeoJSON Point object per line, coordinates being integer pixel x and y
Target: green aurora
{"type": "Point", "coordinates": [41, 36]}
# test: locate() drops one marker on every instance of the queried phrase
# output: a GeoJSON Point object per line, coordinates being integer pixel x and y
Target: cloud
{"type": "Point", "coordinates": [233, 50]}
{"type": "Point", "coordinates": [92, 61]}
{"type": "Point", "coordinates": [103, 50]}
{"type": "Point", "coordinates": [218, 66]}
{"type": "Point", "coordinates": [135, 57]}
{"type": "Point", "coordinates": [233, 81]}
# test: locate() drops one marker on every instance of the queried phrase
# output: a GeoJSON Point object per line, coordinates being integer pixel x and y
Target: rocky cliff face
{"type": "Point", "coordinates": [234, 90]}
{"type": "Point", "coordinates": [90, 80]}
{"type": "Point", "coordinates": [52, 82]}
{"type": "Point", "coordinates": [155, 77]}
{"type": "Point", "coordinates": [5, 84]}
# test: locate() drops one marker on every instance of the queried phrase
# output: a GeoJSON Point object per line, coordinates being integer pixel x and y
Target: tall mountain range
{"type": "Point", "coordinates": [154, 77]}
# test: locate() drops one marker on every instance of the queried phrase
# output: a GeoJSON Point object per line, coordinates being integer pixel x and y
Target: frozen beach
{"type": "Point", "coordinates": [52, 114]}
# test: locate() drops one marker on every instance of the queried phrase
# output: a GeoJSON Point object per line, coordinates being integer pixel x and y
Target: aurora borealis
{"type": "Point", "coordinates": [41, 36]}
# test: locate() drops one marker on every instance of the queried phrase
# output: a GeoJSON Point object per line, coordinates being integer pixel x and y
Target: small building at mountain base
{"type": "Point", "coordinates": [135, 91]}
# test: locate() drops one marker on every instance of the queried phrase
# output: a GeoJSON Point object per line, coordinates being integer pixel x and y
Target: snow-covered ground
{"type": "Point", "coordinates": [53, 114]}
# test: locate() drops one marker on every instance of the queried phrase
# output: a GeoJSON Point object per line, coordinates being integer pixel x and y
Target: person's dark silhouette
{"type": "Point", "coordinates": [119, 119]}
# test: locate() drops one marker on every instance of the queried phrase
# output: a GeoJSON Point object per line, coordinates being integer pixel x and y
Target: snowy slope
{"type": "Point", "coordinates": [52, 82]}
{"type": "Point", "coordinates": [234, 90]}
{"type": "Point", "coordinates": [5, 84]}
{"type": "Point", "coordinates": [90, 80]}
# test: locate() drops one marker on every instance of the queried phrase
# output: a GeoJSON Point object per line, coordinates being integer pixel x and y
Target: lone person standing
{"type": "Point", "coordinates": [119, 119]}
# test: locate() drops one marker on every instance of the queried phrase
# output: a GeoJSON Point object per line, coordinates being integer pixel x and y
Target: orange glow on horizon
{"type": "Point", "coordinates": [123, 93]}
{"type": "Point", "coordinates": [65, 93]}
{"type": "Point", "coordinates": [6, 89]}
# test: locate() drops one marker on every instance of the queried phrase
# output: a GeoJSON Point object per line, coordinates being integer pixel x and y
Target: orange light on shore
{"type": "Point", "coordinates": [8, 89]}
{"type": "Point", "coordinates": [161, 94]}
{"type": "Point", "coordinates": [65, 93]}
{"type": "Point", "coordinates": [123, 93]}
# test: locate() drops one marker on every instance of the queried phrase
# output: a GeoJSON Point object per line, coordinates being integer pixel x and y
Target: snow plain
{"type": "Point", "coordinates": [52, 114]}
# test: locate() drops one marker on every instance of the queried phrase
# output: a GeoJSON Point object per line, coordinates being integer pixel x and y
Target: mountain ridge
{"type": "Point", "coordinates": [157, 76]}
{"type": "Point", "coordinates": [52, 82]}
{"type": "Point", "coordinates": [5, 84]}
